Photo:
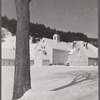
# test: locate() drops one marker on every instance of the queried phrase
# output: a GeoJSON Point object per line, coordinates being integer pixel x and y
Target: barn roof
{"type": "Point", "coordinates": [57, 45]}
{"type": "Point", "coordinates": [8, 53]}
{"type": "Point", "coordinates": [71, 51]}
{"type": "Point", "coordinates": [89, 52]}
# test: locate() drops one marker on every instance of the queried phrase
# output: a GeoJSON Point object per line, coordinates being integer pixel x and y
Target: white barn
{"type": "Point", "coordinates": [55, 50]}
{"type": "Point", "coordinates": [83, 55]}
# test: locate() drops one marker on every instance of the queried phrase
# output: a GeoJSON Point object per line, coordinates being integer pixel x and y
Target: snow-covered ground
{"type": "Point", "coordinates": [55, 83]}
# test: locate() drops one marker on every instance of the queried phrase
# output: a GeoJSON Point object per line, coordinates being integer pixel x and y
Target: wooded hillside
{"type": "Point", "coordinates": [38, 31]}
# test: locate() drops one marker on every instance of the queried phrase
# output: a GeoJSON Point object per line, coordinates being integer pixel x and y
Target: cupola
{"type": "Point", "coordinates": [56, 37]}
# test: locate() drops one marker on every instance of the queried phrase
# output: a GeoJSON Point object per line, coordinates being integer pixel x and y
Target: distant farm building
{"type": "Point", "coordinates": [83, 55]}
{"type": "Point", "coordinates": [8, 57]}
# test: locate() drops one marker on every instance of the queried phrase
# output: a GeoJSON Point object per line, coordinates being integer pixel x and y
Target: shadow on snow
{"type": "Point", "coordinates": [80, 76]}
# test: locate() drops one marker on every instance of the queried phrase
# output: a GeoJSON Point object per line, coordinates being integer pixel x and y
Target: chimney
{"type": "Point", "coordinates": [83, 44]}
{"type": "Point", "coordinates": [86, 45]}
{"type": "Point", "coordinates": [74, 45]}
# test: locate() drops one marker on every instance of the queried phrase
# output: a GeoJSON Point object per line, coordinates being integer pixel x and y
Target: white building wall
{"type": "Point", "coordinates": [48, 49]}
{"type": "Point", "coordinates": [8, 62]}
{"type": "Point", "coordinates": [38, 47]}
{"type": "Point", "coordinates": [78, 58]}
{"type": "Point", "coordinates": [60, 56]}
{"type": "Point", "coordinates": [45, 62]}
{"type": "Point", "coordinates": [43, 45]}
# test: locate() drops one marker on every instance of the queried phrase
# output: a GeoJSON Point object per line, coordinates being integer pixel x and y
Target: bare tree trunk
{"type": "Point", "coordinates": [22, 61]}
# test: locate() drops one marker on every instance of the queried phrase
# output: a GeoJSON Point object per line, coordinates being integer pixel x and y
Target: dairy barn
{"type": "Point", "coordinates": [55, 50]}
{"type": "Point", "coordinates": [83, 55]}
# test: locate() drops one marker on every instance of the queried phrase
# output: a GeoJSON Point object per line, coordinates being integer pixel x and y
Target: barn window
{"type": "Point", "coordinates": [3, 63]}
{"type": "Point", "coordinates": [9, 63]}
{"type": "Point", "coordinates": [12, 63]}
{"type": "Point", "coordinates": [78, 49]}
{"type": "Point", "coordinates": [54, 38]}
{"type": "Point", "coordinates": [6, 63]}
{"type": "Point", "coordinates": [43, 41]}
{"type": "Point", "coordinates": [41, 47]}
{"type": "Point", "coordinates": [44, 47]}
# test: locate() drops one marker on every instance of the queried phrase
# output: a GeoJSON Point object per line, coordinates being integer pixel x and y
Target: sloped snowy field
{"type": "Point", "coordinates": [55, 83]}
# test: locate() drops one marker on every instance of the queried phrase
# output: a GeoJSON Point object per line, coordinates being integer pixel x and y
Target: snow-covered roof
{"type": "Point", "coordinates": [32, 51]}
{"type": "Point", "coordinates": [89, 52]}
{"type": "Point", "coordinates": [57, 45]}
{"type": "Point", "coordinates": [9, 42]}
{"type": "Point", "coordinates": [8, 53]}
{"type": "Point", "coordinates": [5, 31]}
{"type": "Point", "coordinates": [72, 50]}
{"type": "Point", "coordinates": [95, 49]}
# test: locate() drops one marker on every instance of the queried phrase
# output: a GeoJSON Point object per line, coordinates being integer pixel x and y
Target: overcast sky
{"type": "Point", "coordinates": [64, 15]}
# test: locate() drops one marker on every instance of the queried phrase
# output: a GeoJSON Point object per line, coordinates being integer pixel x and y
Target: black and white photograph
{"type": "Point", "coordinates": [49, 50]}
